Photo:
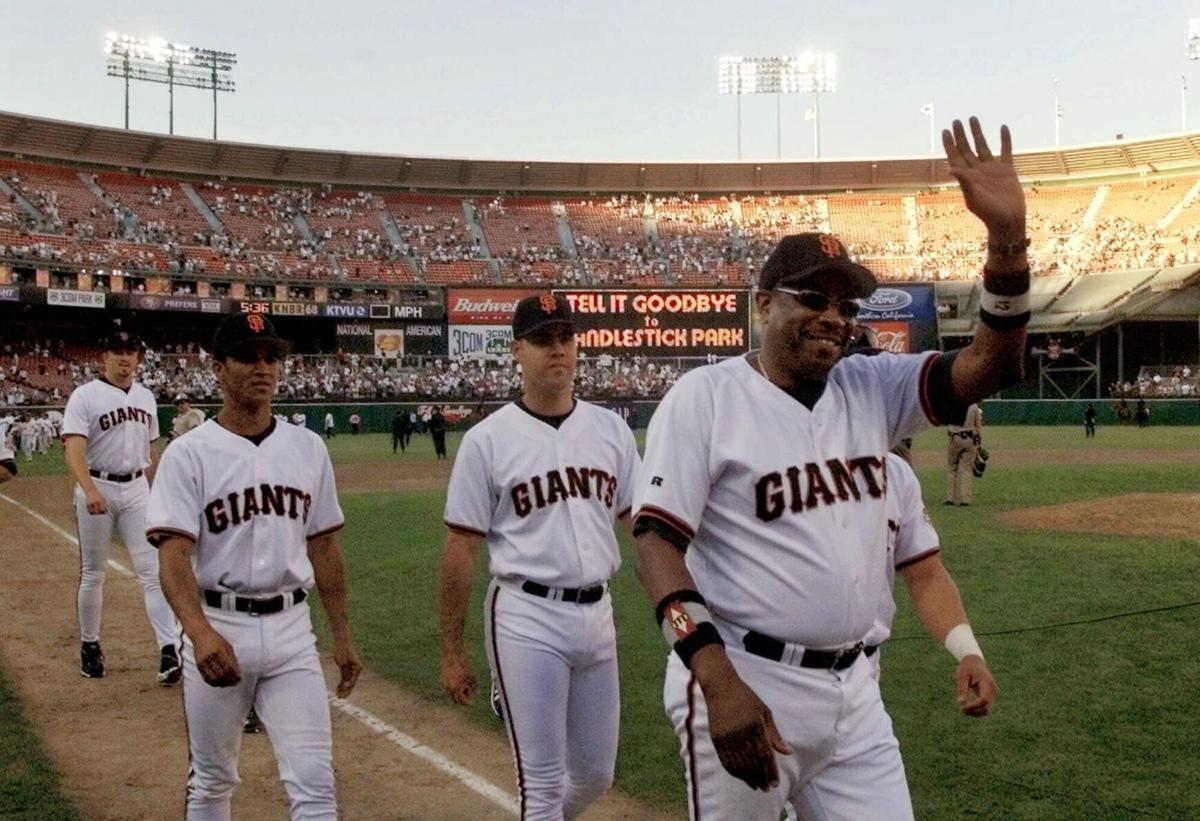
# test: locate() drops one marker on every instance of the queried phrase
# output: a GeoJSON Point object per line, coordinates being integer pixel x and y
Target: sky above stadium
{"type": "Point", "coordinates": [616, 79]}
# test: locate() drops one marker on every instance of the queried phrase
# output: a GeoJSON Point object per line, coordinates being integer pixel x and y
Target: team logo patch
{"type": "Point", "coordinates": [680, 621]}
{"type": "Point", "coordinates": [255, 322]}
{"type": "Point", "coordinates": [549, 303]}
{"type": "Point", "coordinates": [830, 246]}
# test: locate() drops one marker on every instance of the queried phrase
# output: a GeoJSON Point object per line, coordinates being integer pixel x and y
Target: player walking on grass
{"type": "Point", "coordinates": [762, 520]}
{"type": "Point", "coordinates": [109, 427]}
{"type": "Point", "coordinates": [542, 481]}
{"type": "Point", "coordinates": [253, 504]}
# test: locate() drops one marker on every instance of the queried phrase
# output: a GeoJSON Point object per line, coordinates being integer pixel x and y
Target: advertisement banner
{"type": "Point", "coordinates": [428, 339]}
{"type": "Point", "coordinates": [389, 342]}
{"type": "Point", "coordinates": [75, 299]}
{"type": "Point", "coordinates": [353, 337]}
{"type": "Point", "coordinates": [662, 323]}
{"type": "Point", "coordinates": [10, 293]}
{"type": "Point", "coordinates": [911, 307]}
{"type": "Point", "coordinates": [485, 306]}
{"type": "Point", "coordinates": [893, 336]}
{"type": "Point", "coordinates": [480, 341]}
{"type": "Point", "coordinates": [154, 302]}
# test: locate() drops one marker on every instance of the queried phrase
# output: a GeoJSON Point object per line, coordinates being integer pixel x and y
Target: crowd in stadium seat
{"type": "Point", "coordinates": [143, 224]}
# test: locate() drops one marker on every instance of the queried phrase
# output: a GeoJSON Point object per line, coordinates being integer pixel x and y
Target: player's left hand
{"type": "Point", "coordinates": [989, 183]}
{"type": "Point", "coordinates": [976, 687]}
{"type": "Point", "coordinates": [347, 661]}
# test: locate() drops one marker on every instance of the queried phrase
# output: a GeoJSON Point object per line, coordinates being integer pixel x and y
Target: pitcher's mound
{"type": "Point", "coordinates": [1173, 515]}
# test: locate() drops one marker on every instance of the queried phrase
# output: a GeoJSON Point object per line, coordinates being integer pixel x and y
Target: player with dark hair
{"type": "Point", "coordinates": [761, 513]}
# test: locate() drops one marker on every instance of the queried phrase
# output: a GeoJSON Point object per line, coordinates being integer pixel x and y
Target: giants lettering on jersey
{"type": "Point", "coordinates": [122, 415]}
{"type": "Point", "coordinates": [275, 500]}
{"type": "Point", "coordinates": [579, 484]}
{"type": "Point", "coordinates": [802, 488]}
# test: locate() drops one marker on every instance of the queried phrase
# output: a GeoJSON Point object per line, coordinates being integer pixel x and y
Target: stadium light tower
{"type": "Point", "coordinates": [157, 61]}
{"type": "Point", "coordinates": [808, 73]}
{"type": "Point", "coordinates": [1192, 50]}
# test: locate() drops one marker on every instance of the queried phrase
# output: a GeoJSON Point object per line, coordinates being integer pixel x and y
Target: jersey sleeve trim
{"type": "Point", "coordinates": [157, 535]}
{"type": "Point", "coordinates": [326, 531]}
{"type": "Point", "coordinates": [926, 400]}
{"type": "Point", "coordinates": [625, 512]}
{"type": "Point", "coordinates": [920, 557]}
{"type": "Point", "coordinates": [67, 436]}
{"type": "Point", "coordinates": [469, 531]}
{"type": "Point", "coordinates": [665, 516]}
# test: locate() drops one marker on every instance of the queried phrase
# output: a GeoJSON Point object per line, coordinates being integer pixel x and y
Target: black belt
{"type": "Point", "coordinates": [115, 477]}
{"type": "Point", "coordinates": [255, 607]}
{"type": "Point", "coordinates": [580, 595]}
{"type": "Point", "coordinates": [773, 649]}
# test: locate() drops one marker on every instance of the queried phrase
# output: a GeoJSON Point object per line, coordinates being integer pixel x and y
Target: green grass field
{"type": "Point", "coordinates": [1095, 720]}
{"type": "Point", "coordinates": [29, 785]}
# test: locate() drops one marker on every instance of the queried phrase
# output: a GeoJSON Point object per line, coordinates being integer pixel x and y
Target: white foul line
{"type": "Point", "coordinates": [480, 785]}
{"type": "Point", "coordinates": [406, 742]}
{"type": "Point", "coordinates": [115, 565]}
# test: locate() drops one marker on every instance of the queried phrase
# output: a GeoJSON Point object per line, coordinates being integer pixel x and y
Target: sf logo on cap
{"type": "Point", "coordinates": [831, 246]}
{"type": "Point", "coordinates": [549, 303]}
{"type": "Point", "coordinates": [255, 322]}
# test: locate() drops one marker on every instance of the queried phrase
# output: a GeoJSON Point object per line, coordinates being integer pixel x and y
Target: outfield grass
{"type": "Point", "coordinates": [29, 785]}
{"type": "Point", "coordinates": [1094, 720]}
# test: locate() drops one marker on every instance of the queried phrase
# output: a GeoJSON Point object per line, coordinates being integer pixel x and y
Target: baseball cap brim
{"type": "Point", "coordinates": [271, 344]}
{"type": "Point", "coordinates": [862, 281]}
{"type": "Point", "coordinates": [548, 323]}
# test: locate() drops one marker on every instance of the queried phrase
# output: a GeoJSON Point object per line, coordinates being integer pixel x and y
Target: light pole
{"type": "Point", "coordinates": [927, 110]}
{"type": "Point", "coordinates": [1192, 50]}
{"type": "Point", "coordinates": [1057, 113]}
{"type": "Point", "coordinates": [807, 73]}
{"type": "Point", "coordinates": [157, 61]}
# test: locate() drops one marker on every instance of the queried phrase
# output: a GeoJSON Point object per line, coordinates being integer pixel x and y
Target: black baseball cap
{"type": "Point", "coordinates": [800, 256]}
{"type": "Point", "coordinates": [240, 330]}
{"type": "Point", "coordinates": [122, 341]}
{"type": "Point", "coordinates": [540, 311]}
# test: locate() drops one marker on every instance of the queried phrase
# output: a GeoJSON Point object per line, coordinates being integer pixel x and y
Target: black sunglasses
{"type": "Point", "coordinates": [819, 302]}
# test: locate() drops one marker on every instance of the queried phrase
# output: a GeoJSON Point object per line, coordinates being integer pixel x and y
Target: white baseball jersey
{"type": "Point", "coordinates": [911, 537]}
{"type": "Point", "coordinates": [250, 509]}
{"type": "Point", "coordinates": [784, 505]}
{"type": "Point", "coordinates": [545, 499]}
{"type": "Point", "coordinates": [183, 422]}
{"type": "Point", "coordinates": [119, 425]}
{"type": "Point", "coordinates": [5, 451]}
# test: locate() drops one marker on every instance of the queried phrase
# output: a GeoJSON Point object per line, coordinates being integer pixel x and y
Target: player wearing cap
{"type": "Point", "coordinates": [186, 417]}
{"type": "Point", "coordinates": [542, 481]}
{"type": "Point", "coordinates": [253, 503]}
{"type": "Point", "coordinates": [109, 426]}
{"type": "Point", "coordinates": [761, 519]}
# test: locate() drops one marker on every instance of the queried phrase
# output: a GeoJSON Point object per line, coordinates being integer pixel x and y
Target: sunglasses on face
{"type": "Point", "coordinates": [819, 302]}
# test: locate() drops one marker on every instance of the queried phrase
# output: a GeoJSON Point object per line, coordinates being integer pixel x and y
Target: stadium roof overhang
{"type": "Point", "coordinates": [96, 146]}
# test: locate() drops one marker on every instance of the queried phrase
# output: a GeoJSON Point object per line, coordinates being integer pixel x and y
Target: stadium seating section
{"type": "Point", "coordinates": [225, 231]}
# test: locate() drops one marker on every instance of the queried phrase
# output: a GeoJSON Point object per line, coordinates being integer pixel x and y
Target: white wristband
{"type": "Point", "coordinates": [998, 305]}
{"type": "Point", "coordinates": [961, 642]}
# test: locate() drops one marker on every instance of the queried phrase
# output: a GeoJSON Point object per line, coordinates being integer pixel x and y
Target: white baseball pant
{"type": "Point", "coordinates": [282, 679]}
{"type": "Point", "coordinates": [846, 762]}
{"type": "Point", "coordinates": [127, 512]}
{"type": "Point", "coordinates": [555, 663]}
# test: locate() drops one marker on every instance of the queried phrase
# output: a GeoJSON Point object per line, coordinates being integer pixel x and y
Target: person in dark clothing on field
{"type": "Point", "coordinates": [437, 429]}
{"type": "Point", "coordinates": [400, 430]}
{"type": "Point", "coordinates": [1089, 421]}
{"type": "Point", "coordinates": [1142, 414]}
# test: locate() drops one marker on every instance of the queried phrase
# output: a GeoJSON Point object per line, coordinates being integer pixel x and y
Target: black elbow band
{"type": "Point", "coordinates": [680, 595]}
{"type": "Point", "coordinates": [704, 635]}
{"type": "Point", "coordinates": [671, 535]}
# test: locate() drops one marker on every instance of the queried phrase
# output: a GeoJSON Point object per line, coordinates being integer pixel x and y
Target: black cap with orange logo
{"type": "Point", "coordinates": [799, 256]}
{"type": "Point", "coordinates": [240, 330]}
{"type": "Point", "coordinates": [539, 311]}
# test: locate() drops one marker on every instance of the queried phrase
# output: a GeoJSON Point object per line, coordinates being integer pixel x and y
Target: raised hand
{"type": "Point", "coordinates": [989, 183]}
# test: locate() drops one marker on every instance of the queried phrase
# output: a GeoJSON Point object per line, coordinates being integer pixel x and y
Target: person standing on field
{"type": "Point", "coordinates": [541, 482]}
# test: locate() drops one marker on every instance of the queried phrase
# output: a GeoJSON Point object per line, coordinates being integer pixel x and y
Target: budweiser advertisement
{"type": "Point", "coordinates": [485, 306]}
{"type": "Point", "coordinates": [662, 323]}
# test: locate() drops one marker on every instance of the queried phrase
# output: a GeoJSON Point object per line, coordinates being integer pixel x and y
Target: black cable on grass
{"type": "Point", "coordinates": [1073, 623]}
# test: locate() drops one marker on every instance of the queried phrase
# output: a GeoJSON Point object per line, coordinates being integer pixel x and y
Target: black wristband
{"type": "Point", "coordinates": [1010, 248]}
{"type": "Point", "coordinates": [683, 594]}
{"type": "Point", "coordinates": [704, 635]}
{"type": "Point", "coordinates": [1003, 323]}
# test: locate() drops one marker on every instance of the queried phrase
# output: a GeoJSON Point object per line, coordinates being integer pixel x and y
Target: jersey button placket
{"type": "Point", "coordinates": [568, 508]}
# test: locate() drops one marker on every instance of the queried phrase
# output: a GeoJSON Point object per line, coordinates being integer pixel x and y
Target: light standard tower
{"type": "Point", "coordinates": [157, 61]}
{"type": "Point", "coordinates": [808, 73]}
{"type": "Point", "coordinates": [1192, 50]}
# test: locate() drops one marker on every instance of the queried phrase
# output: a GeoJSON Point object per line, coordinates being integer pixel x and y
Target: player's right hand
{"type": "Point", "coordinates": [96, 503]}
{"type": "Point", "coordinates": [216, 660]}
{"type": "Point", "coordinates": [457, 677]}
{"type": "Point", "coordinates": [744, 734]}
